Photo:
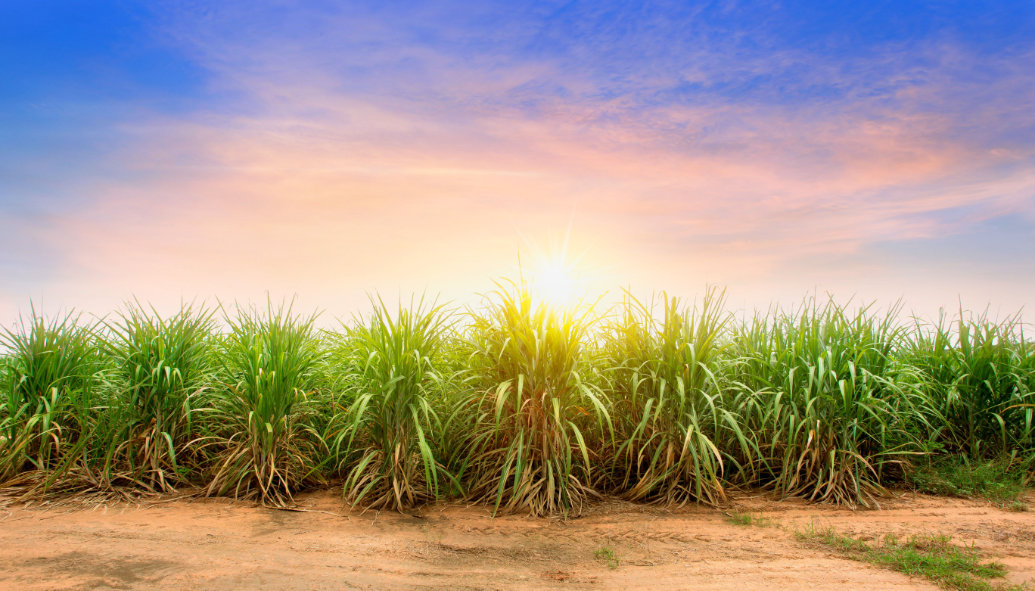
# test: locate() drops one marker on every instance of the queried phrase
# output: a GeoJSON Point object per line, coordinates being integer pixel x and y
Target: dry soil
{"type": "Point", "coordinates": [224, 544]}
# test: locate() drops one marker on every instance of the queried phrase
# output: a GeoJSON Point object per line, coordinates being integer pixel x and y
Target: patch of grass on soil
{"type": "Point", "coordinates": [933, 557]}
{"type": "Point", "coordinates": [1000, 482]}
{"type": "Point", "coordinates": [747, 519]}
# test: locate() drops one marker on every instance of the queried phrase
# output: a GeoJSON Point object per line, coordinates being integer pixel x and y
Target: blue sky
{"type": "Point", "coordinates": [179, 150]}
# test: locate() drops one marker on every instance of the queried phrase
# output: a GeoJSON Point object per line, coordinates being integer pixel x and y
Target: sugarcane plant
{"type": "Point", "coordinates": [674, 433]}
{"type": "Point", "coordinates": [537, 402]}
{"type": "Point", "coordinates": [391, 365]}
{"type": "Point", "coordinates": [264, 444]}
{"type": "Point", "coordinates": [161, 366]}
{"type": "Point", "coordinates": [50, 374]}
{"type": "Point", "coordinates": [830, 407]}
{"type": "Point", "coordinates": [977, 376]}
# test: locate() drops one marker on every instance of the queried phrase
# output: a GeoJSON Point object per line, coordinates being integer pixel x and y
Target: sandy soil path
{"type": "Point", "coordinates": [223, 544]}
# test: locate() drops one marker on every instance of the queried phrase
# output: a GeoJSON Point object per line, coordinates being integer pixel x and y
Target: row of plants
{"type": "Point", "coordinates": [517, 404]}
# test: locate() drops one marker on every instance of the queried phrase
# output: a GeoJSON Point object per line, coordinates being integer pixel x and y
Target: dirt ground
{"type": "Point", "coordinates": [224, 544]}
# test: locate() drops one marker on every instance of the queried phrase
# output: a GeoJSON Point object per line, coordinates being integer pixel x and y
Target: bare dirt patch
{"type": "Point", "coordinates": [223, 544]}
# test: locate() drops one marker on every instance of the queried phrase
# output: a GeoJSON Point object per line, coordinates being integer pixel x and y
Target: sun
{"type": "Point", "coordinates": [555, 282]}
{"type": "Point", "coordinates": [554, 275]}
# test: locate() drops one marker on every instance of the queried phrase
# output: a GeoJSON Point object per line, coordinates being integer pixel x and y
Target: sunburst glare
{"type": "Point", "coordinates": [555, 282]}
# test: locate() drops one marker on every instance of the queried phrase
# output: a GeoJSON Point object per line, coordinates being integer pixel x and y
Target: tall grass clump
{"type": "Point", "coordinates": [535, 396]}
{"type": "Point", "coordinates": [978, 377]}
{"type": "Point", "coordinates": [392, 366]}
{"type": "Point", "coordinates": [266, 445]}
{"type": "Point", "coordinates": [672, 424]}
{"type": "Point", "coordinates": [161, 365]}
{"type": "Point", "coordinates": [830, 407]}
{"type": "Point", "coordinates": [51, 371]}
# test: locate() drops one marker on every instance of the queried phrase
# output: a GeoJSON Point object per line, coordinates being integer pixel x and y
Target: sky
{"type": "Point", "coordinates": [238, 151]}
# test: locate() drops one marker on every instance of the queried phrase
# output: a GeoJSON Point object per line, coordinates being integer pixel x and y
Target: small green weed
{"type": "Point", "coordinates": [1017, 506]}
{"type": "Point", "coordinates": [933, 557]}
{"type": "Point", "coordinates": [747, 519]}
{"type": "Point", "coordinates": [607, 554]}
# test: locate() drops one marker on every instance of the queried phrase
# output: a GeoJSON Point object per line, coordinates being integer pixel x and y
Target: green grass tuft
{"type": "Point", "coordinates": [608, 556]}
{"type": "Point", "coordinates": [747, 519]}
